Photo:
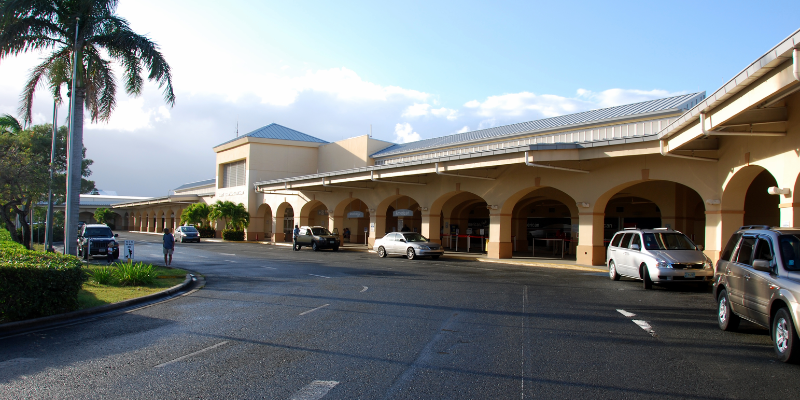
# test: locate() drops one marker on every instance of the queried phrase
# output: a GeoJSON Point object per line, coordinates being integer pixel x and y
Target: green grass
{"type": "Point", "coordinates": [95, 294]}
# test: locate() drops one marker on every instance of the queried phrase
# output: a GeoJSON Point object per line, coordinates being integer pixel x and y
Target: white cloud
{"type": "Point", "coordinates": [421, 110]}
{"type": "Point", "coordinates": [616, 97]}
{"type": "Point", "coordinates": [464, 129]}
{"type": "Point", "coordinates": [404, 133]}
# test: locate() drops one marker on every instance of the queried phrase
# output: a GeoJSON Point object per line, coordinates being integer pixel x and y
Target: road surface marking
{"type": "Point", "coordinates": [320, 276]}
{"type": "Point", "coordinates": [364, 289]}
{"type": "Point", "coordinates": [306, 312]}
{"type": "Point", "coordinates": [202, 256]}
{"type": "Point", "coordinates": [644, 325]}
{"type": "Point", "coordinates": [191, 355]}
{"type": "Point", "coordinates": [226, 254]}
{"type": "Point", "coordinates": [230, 261]}
{"type": "Point", "coordinates": [625, 313]}
{"type": "Point", "coordinates": [269, 267]}
{"type": "Point", "coordinates": [314, 390]}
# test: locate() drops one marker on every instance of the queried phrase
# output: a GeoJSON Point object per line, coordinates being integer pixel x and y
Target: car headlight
{"type": "Point", "coordinates": [663, 264]}
{"type": "Point", "coordinates": [424, 247]}
{"type": "Point", "coordinates": [708, 265]}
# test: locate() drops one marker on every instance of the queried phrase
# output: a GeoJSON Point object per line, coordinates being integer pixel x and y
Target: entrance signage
{"type": "Point", "coordinates": [402, 213]}
{"type": "Point", "coordinates": [355, 214]}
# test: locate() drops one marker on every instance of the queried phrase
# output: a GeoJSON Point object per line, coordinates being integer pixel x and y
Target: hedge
{"type": "Point", "coordinates": [36, 284]}
{"type": "Point", "coordinates": [230, 234]}
{"type": "Point", "coordinates": [206, 232]}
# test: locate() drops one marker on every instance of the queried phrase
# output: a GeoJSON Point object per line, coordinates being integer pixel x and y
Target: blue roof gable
{"type": "Point", "coordinates": [280, 132]}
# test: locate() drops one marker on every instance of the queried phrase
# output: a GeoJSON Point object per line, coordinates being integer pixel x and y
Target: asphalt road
{"type": "Point", "coordinates": [276, 324]}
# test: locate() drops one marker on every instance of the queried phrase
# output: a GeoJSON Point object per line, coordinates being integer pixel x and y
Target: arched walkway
{"type": "Point", "coordinates": [285, 214]}
{"type": "Point", "coordinates": [352, 215]}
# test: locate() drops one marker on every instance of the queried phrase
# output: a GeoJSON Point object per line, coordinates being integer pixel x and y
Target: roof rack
{"type": "Point", "coordinates": [662, 229]}
{"type": "Point", "coordinates": [754, 227]}
{"type": "Point", "coordinates": [630, 229]}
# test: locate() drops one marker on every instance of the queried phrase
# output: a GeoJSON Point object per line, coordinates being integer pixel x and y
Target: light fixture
{"type": "Point", "coordinates": [371, 210]}
{"type": "Point", "coordinates": [712, 202]}
{"type": "Point", "coordinates": [776, 190]}
{"type": "Point", "coordinates": [491, 207]}
{"type": "Point", "coordinates": [582, 204]}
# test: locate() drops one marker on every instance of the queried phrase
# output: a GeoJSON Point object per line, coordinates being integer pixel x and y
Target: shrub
{"type": "Point", "coordinates": [230, 234]}
{"type": "Point", "coordinates": [206, 232]}
{"type": "Point", "coordinates": [36, 284]}
{"type": "Point", "coordinates": [104, 276]}
{"type": "Point", "coordinates": [138, 274]}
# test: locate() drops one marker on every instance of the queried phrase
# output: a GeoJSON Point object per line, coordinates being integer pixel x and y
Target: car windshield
{"type": "Point", "coordinates": [790, 252]}
{"type": "Point", "coordinates": [414, 237]}
{"type": "Point", "coordinates": [320, 231]}
{"type": "Point", "coordinates": [189, 229]}
{"type": "Point", "coordinates": [667, 241]}
{"type": "Point", "coordinates": [98, 232]}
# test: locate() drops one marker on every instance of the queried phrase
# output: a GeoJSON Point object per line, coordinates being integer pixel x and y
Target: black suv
{"type": "Point", "coordinates": [93, 240]}
{"type": "Point", "coordinates": [758, 278]}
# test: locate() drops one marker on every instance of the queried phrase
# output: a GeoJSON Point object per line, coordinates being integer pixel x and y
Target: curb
{"type": "Point", "coordinates": [52, 320]}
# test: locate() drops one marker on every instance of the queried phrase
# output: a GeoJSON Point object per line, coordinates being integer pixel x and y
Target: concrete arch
{"type": "Point", "coordinates": [445, 211]}
{"type": "Point", "coordinates": [382, 215]}
{"type": "Point", "coordinates": [355, 226]}
{"type": "Point", "coordinates": [283, 229]}
{"type": "Point", "coordinates": [262, 224]}
{"type": "Point", "coordinates": [517, 228]}
{"type": "Point", "coordinates": [307, 216]}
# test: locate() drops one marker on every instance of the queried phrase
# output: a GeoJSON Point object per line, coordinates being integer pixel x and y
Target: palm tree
{"type": "Point", "coordinates": [235, 215]}
{"type": "Point", "coordinates": [80, 34]}
{"type": "Point", "coordinates": [9, 124]}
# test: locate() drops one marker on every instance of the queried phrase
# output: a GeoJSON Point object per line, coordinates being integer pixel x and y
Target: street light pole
{"type": "Point", "coordinates": [48, 233]}
{"type": "Point", "coordinates": [74, 160]}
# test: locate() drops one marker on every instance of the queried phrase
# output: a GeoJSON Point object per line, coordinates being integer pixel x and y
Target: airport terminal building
{"type": "Point", "coordinates": [701, 164]}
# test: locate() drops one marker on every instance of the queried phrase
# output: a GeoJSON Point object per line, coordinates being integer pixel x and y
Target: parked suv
{"type": "Point", "coordinates": [658, 255]}
{"type": "Point", "coordinates": [318, 238]}
{"type": "Point", "coordinates": [758, 278]}
{"type": "Point", "coordinates": [93, 240]}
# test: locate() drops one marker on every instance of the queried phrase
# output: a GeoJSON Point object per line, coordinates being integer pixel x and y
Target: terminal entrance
{"type": "Point", "coordinates": [465, 223]}
{"type": "Point", "coordinates": [403, 215]}
{"type": "Point", "coordinates": [544, 226]}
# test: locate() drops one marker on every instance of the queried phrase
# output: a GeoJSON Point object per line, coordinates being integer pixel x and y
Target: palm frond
{"type": "Point", "coordinates": [26, 106]}
{"type": "Point", "coordinates": [9, 124]}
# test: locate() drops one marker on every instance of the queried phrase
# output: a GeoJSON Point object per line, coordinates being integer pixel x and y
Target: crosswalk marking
{"type": "Point", "coordinates": [314, 390]}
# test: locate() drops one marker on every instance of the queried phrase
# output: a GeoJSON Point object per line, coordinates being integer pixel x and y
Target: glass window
{"type": "Point", "coordinates": [189, 229]}
{"type": "Point", "coordinates": [233, 174]}
{"type": "Point", "coordinates": [626, 241]}
{"type": "Point", "coordinates": [745, 253]}
{"type": "Point", "coordinates": [763, 250]}
{"type": "Point", "coordinates": [414, 237]}
{"type": "Point", "coordinates": [617, 239]}
{"type": "Point", "coordinates": [320, 231]}
{"type": "Point", "coordinates": [636, 241]}
{"type": "Point", "coordinates": [97, 232]}
{"type": "Point", "coordinates": [728, 252]}
{"type": "Point", "coordinates": [790, 252]}
{"type": "Point", "coordinates": [667, 241]}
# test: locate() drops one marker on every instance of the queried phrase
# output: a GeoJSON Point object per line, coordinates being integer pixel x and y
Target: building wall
{"type": "Point", "coordinates": [349, 153]}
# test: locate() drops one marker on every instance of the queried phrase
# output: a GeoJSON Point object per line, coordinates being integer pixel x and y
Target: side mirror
{"type": "Point", "coordinates": [699, 247]}
{"type": "Point", "coordinates": [761, 265]}
{"type": "Point", "coordinates": [403, 240]}
{"type": "Point", "coordinates": [116, 235]}
{"type": "Point", "coordinates": [635, 247]}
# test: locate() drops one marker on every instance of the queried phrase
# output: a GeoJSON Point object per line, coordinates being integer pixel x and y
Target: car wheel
{"type": "Point", "coordinates": [335, 248]}
{"type": "Point", "coordinates": [727, 320]}
{"type": "Point", "coordinates": [314, 246]}
{"type": "Point", "coordinates": [435, 257]}
{"type": "Point", "coordinates": [381, 252]}
{"type": "Point", "coordinates": [784, 336]}
{"type": "Point", "coordinates": [410, 254]}
{"type": "Point", "coordinates": [182, 239]}
{"type": "Point", "coordinates": [612, 271]}
{"type": "Point", "coordinates": [647, 282]}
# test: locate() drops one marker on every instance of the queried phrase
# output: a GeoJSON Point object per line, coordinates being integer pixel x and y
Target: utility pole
{"type": "Point", "coordinates": [74, 160]}
{"type": "Point", "coordinates": [48, 233]}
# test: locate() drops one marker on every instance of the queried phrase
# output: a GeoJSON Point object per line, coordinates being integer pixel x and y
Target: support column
{"type": "Point", "coordinates": [377, 226]}
{"type": "Point", "coordinates": [790, 214]}
{"type": "Point", "coordinates": [715, 221]}
{"type": "Point", "coordinates": [431, 227]}
{"type": "Point", "coordinates": [590, 249]}
{"type": "Point", "coordinates": [500, 245]}
{"type": "Point", "coordinates": [253, 231]}
{"type": "Point", "coordinates": [160, 222]}
{"type": "Point", "coordinates": [337, 222]}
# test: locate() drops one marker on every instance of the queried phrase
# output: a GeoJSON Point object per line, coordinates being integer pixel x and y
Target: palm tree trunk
{"type": "Point", "coordinates": [74, 164]}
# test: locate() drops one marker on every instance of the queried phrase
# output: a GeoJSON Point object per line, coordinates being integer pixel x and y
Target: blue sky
{"type": "Point", "coordinates": [411, 69]}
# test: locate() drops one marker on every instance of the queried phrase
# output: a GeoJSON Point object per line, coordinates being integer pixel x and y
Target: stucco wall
{"type": "Point", "coordinates": [349, 153]}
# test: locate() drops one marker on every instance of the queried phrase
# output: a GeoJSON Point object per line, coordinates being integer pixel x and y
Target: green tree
{"type": "Point", "coordinates": [196, 214]}
{"type": "Point", "coordinates": [102, 215]}
{"type": "Point", "coordinates": [235, 215]}
{"type": "Point", "coordinates": [9, 124]}
{"type": "Point", "coordinates": [89, 32]}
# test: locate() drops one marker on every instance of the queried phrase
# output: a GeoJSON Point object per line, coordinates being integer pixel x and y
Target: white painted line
{"type": "Point", "coordinates": [230, 261]}
{"type": "Point", "coordinates": [306, 312]}
{"type": "Point", "coordinates": [320, 276]}
{"type": "Point", "coordinates": [314, 390]}
{"type": "Point", "coordinates": [269, 267]}
{"type": "Point", "coordinates": [364, 289]}
{"type": "Point", "coordinates": [226, 254]}
{"type": "Point", "coordinates": [190, 355]}
{"type": "Point", "coordinates": [201, 256]}
{"type": "Point", "coordinates": [644, 325]}
{"type": "Point", "coordinates": [625, 313]}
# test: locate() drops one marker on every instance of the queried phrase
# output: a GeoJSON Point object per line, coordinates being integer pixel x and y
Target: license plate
{"type": "Point", "coordinates": [688, 274]}
{"type": "Point", "coordinates": [330, 241]}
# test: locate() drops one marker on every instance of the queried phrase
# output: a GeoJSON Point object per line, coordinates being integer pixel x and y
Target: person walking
{"type": "Point", "coordinates": [295, 234]}
{"type": "Point", "coordinates": [110, 252]}
{"type": "Point", "coordinates": [169, 246]}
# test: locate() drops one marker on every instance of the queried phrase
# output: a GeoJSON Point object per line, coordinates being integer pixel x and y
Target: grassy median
{"type": "Point", "coordinates": [110, 291]}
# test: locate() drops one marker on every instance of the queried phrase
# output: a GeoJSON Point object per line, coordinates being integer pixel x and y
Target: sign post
{"type": "Point", "coordinates": [127, 251]}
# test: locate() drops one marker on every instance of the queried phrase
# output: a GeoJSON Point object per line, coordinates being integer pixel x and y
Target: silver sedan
{"type": "Point", "coordinates": [410, 244]}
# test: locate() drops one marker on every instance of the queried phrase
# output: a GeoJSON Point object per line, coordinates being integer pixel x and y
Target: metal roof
{"type": "Point", "coordinates": [280, 132]}
{"type": "Point", "coordinates": [206, 182]}
{"type": "Point", "coordinates": [628, 111]}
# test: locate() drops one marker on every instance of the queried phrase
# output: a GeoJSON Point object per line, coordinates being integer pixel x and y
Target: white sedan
{"type": "Point", "coordinates": [410, 244]}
